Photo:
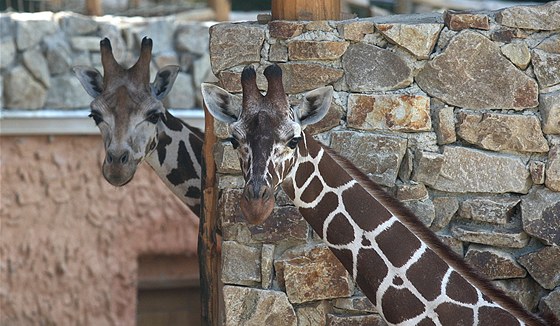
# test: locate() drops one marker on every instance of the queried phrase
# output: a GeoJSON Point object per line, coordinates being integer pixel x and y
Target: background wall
{"type": "Point", "coordinates": [457, 115]}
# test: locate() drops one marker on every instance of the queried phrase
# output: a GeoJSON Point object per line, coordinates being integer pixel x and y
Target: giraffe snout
{"type": "Point", "coordinates": [118, 167]}
{"type": "Point", "coordinates": [257, 202]}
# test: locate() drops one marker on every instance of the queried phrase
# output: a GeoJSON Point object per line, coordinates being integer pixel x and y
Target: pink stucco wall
{"type": "Point", "coordinates": [69, 241]}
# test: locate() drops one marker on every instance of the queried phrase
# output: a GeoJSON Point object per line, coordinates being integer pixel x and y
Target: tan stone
{"type": "Point", "coordinates": [457, 21]}
{"type": "Point", "coordinates": [546, 66]}
{"type": "Point", "coordinates": [235, 44]}
{"type": "Point", "coordinates": [313, 314]}
{"type": "Point", "coordinates": [412, 191]}
{"type": "Point", "coordinates": [552, 180]}
{"type": "Point", "coordinates": [355, 30]}
{"type": "Point", "coordinates": [285, 29]}
{"type": "Point", "coordinates": [550, 44]}
{"type": "Point", "coordinates": [418, 39]}
{"type": "Point", "coordinates": [508, 237]}
{"type": "Point", "coordinates": [444, 124]}
{"type": "Point", "coordinates": [241, 264]}
{"type": "Point", "coordinates": [445, 208]}
{"type": "Point", "coordinates": [551, 303]}
{"type": "Point", "coordinates": [518, 54]}
{"type": "Point", "coordinates": [226, 157]}
{"type": "Point", "coordinates": [540, 213]}
{"type": "Point", "coordinates": [316, 50]}
{"type": "Point", "coordinates": [391, 112]}
{"type": "Point", "coordinates": [358, 303]}
{"type": "Point", "coordinates": [300, 77]}
{"type": "Point", "coordinates": [543, 265]}
{"type": "Point", "coordinates": [502, 132]}
{"type": "Point", "coordinates": [278, 52]}
{"type": "Point", "coordinates": [427, 167]}
{"type": "Point", "coordinates": [549, 107]}
{"type": "Point", "coordinates": [370, 320]}
{"type": "Point", "coordinates": [543, 17]}
{"type": "Point", "coordinates": [319, 25]}
{"type": "Point", "coordinates": [494, 263]}
{"type": "Point", "coordinates": [537, 169]}
{"type": "Point", "coordinates": [496, 210]}
{"type": "Point", "coordinates": [312, 273]}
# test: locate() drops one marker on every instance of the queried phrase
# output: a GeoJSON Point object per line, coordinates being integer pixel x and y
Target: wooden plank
{"type": "Point", "coordinates": [305, 10]}
{"type": "Point", "coordinates": [222, 8]}
{"type": "Point", "coordinates": [208, 243]}
{"type": "Point", "coordinates": [93, 8]}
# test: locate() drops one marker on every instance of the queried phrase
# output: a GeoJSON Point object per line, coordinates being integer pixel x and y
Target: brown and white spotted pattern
{"type": "Point", "coordinates": [400, 265]}
{"type": "Point", "coordinates": [135, 126]}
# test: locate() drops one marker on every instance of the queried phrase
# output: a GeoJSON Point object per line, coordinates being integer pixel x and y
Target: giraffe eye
{"type": "Point", "coordinates": [293, 142]}
{"type": "Point", "coordinates": [96, 116]}
{"type": "Point", "coordinates": [233, 142]}
{"type": "Point", "coordinates": [153, 117]}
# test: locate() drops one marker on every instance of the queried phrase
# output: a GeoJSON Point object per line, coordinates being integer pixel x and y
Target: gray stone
{"type": "Point", "coordinates": [7, 52]}
{"type": "Point", "coordinates": [551, 44]}
{"type": "Point", "coordinates": [460, 20]}
{"type": "Point", "coordinates": [509, 236]}
{"type": "Point", "coordinates": [371, 68]}
{"type": "Point", "coordinates": [278, 52]}
{"type": "Point", "coordinates": [163, 59]}
{"type": "Point", "coordinates": [424, 141]}
{"type": "Point", "coordinates": [444, 124]}
{"type": "Point", "coordinates": [36, 63]}
{"type": "Point", "coordinates": [76, 24]}
{"type": "Point", "coordinates": [551, 303]}
{"type": "Point", "coordinates": [423, 209]}
{"type": "Point", "coordinates": [540, 212]}
{"type": "Point", "coordinates": [359, 303]}
{"type": "Point", "coordinates": [67, 93]}
{"type": "Point", "coordinates": [407, 165]}
{"type": "Point", "coordinates": [234, 45]}
{"type": "Point", "coordinates": [461, 74]}
{"type": "Point", "coordinates": [193, 38]}
{"type": "Point", "coordinates": [411, 191]}
{"type": "Point", "coordinates": [524, 290]}
{"type": "Point", "coordinates": [454, 244]}
{"type": "Point", "coordinates": [31, 28]}
{"type": "Point", "coordinates": [418, 39]}
{"type": "Point", "coordinates": [1, 92]}
{"type": "Point", "coordinates": [549, 107]}
{"type": "Point", "coordinates": [377, 155]}
{"type": "Point", "coordinates": [313, 314]}
{"type": "Point", "coordinates": [369, 320]}
{"type": "Point", "coordinates": [7, 26]}
{"type": "Point", "coordinates": [544, 266]}
{"type": "Point", "coordinates": [427, 167]}
{"type": "Point", "coordinates": [85, 43]}
{"type": "Point", "coordinates": [355, 30]}
{"type": "Point", "coordinates": [241, 264]}
{"type": "Point", "coordinates": [552, 180]}
{"type": "Point", "coordinates": [162, 27]}
{"type": "Point", "coordinates": [226, 158]}
{"type": "Point", "coordinates": [267, 260]}
{"type": "Point", "coordinates": [409, 113]}
{"type": "Point", "coordinates": [58, 54]}
{"type": "Point", "coordinates": [316, 50]}
{"type": "Point", "coordinates": [518, 54]}
{"type": "Point", "coordinates": [502, 132]}
{"type": "Point", "coordinates": [301, 77]}
{"type": "Point", "coordinates": [494, 263]}
{"type": "Point", "coordinates": [182, 94]}
{"type": "Point", "coordinates": [21, 91]}
{"type": "Point", "coordinates": [537, 169]}
{"type": "Point", "coordinates": [310, 273]}
{"type": "Point", "coordinates": [252, 307]}
{"type": "Point", "coordinates": [546, 67]}
{"type": "Point", "coordinates": [492, 173]}
{"type": "Point", "coordinates": [544, 17]}
{"type": "Point", "coordinates": [445, 208]}
{"type": "Point", "coordinates": [490, 209]}
{"type": "Point", "coordinates": [230, 181]}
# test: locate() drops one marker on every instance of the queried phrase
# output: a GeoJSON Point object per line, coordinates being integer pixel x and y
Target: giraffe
{"type": "Point", "coordinates": [408, 274]}
{"type": "Point", "coordinates": [135, 126]}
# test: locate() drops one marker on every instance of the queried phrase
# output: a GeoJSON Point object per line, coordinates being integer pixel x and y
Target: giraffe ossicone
{"type": "Point", "coordinates": [400, 265]}
{"type": "Point", "coordinates": [136, 127]}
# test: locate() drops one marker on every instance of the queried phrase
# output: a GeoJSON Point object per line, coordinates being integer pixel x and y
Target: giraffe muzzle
{"type": "Point", "coordinates": [257, 203]}
{"type": "Point", "coordinates": [118, 167]}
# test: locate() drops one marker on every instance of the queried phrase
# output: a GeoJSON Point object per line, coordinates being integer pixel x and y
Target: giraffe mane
{"type": "Point", "coordinates": [412, 222]}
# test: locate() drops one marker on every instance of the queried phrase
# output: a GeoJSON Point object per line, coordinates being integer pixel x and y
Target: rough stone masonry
{"type": "Point", "coordinates": [456, 114]}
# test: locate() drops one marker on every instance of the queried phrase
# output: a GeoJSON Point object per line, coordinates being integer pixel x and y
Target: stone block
{"type": "Point", "coordinates": [550, 44]}
{"type": "Point", "coordinates": [423, 209]}
{"type": "Point", "coordinates": [369, 320]}
{"type": "Point", "coordinates": [444, 124]}
{"type": "Point", "coordinates": [182, 95]}
{"type": "Point", "coordinates": [409, 113]}
{"type": "Point", "coordinates": [495, 210]}
{"type": "Point", "coordinates": [379, 156]}
{"type": "Point", "coordinates": [518, 54]}
{"type": "Point", "coordinates": [504, 236]}
{"type": "Point", "coordinates": [492, 173]}
{"type": "Point", "coordinates": [193, 38]}
{"type": "Point", "coordinates": [246, 306]}
{"type": "Point", "coordinates": [457, 21]}
{"type": "Point", "coordinates": [22, 91]}
{"type": "Point", "coordinates": [411, 191]}
{"type": "Point", "coordinates": [311, 273]}
{"type": "Point", "coordinates": [543, 17]}
{"type": "Point", "coordinates": [278, 52]}
{"type": "Point", "coordinates": [540, 213]}
{"type": "Point", "coordinates": [552, 180]}
{"type": "Point", "coordinates": [355, 30]}
{"type": "Point", "coordinates": [66, 92]}
{"type": "Point", "coordinates": [524, 290]}
{"type": "Point", "coordinates": [545, 66]}
{"type": "Point", "coordinates": [226, 158]}
{"type": "Point", "coordinates": [481, 64]}
{"type": "Point", "coordinates": [76, 24]}
{"type": "Point", "coordinates": [549, 107]}
{"type": "Point", "coordinates": [267, 260]}
{"type": "Point", "coordinates": [241, 264]}
{"type": "Point", "coordinates": [7, 51]}
{"type": "Point", "coordinates": [31, 28]}
{"type": "Point", "coordinates": [59, 55]}
{"type": "Point", "coordinates": [36, 63]}
{"type": "Point", "coordinates": [371, 68]}
{"type": "Point", "coordinates": [454, 244]}
{"type": "Point", "coordinates": [85, 43]}
{"type": "Point", "coordinates": [494, 263]}
{"type": "Point", "coordinates": [551, 303]}
{"type": "Point", "coordinates": [544, 266]}
{"type": "Point", "coordinates": [301, 77]}
{"type": "Point", "coordinates": [356, 303]}
{"type": "Point", "coordinates": [407, 165]}
{"type": "Point", "coordinates": [316, 50]}
{"type": "Point", "coordinates": [285, 29]}
{"type": "Point", "coordinates": [313, 314]}
{"type": "Point", "coordinates": [427, 167]}
{"type": "Point", "coordinates": [319, 25]}
{"type": "Point", "coordinates": [235, 44]}
{"type": "Point", "coordinates": [445, 208]}
{"type": "Point", "coordinates": [537, 169]}
{"type": "Point", "coordinates": [418, 39]}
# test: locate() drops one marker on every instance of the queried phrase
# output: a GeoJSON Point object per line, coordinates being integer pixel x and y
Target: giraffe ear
{"type": "Point", "coordinates": [314, 106]}
{"type": "Point", "coordinates": [91, 80]}
{"type": "Point", "coordinates": [220, 103]}
{"type": "Point", "coordinates": [164, 81]}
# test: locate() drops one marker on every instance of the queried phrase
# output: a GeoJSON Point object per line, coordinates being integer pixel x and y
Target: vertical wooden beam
{"type": "Point", "coordinates": [93, 8]}
{"type": "Point", "coordinates": [221, 8]}
{"type": "Point", "coordinates": [305, 9]}
{"type": "Point", "coordinates": [208, 246]}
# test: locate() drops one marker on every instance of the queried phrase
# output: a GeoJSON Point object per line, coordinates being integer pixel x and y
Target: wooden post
{"type": "Point", "coordinates": [208, 246]}
{"type": "Point", "coordinates": [93, 8]}
{"type": "Point", "coordinates": [221, 8]}
{"type": "Point", "coordinates": [305, 9]}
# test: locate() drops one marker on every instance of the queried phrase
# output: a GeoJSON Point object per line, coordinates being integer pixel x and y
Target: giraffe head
{"type": "Point", "coordinates": [265, 132]}
{"type": "Point", "coordinates": [127, 108]}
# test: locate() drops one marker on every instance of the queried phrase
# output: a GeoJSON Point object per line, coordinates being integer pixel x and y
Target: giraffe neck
{"type": "Point", "coordinates": [399, 264]}
{"type": "Point", "coordinates": [177, 160]}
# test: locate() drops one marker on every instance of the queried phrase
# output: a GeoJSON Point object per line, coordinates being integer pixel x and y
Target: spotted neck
{"type": "Point", "coordinates": [177, 160]}
{"type": "Point", "coordinates": [399, 264]}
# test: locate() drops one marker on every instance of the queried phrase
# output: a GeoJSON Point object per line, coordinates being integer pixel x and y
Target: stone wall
{"type": "Point", "coordinates": [37, 52]}
{"type": "Point", "coordinates": [457, 115]}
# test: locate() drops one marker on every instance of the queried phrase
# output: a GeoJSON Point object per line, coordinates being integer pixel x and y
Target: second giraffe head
{"type": "Point", "coordinates": [266, 132]}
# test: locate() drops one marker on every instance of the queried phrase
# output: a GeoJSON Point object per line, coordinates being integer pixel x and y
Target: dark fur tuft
{"type": "Point", "coordinates": [248, 74]}
{"type": "Point", "coordinates": [105, 43]}
{"type": "Point", "coordinates": [272, 72]}
{"type": "Point", "coordinates": [146, 41]}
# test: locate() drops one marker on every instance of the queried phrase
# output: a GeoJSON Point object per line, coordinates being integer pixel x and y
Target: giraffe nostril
{"type": "Point", "coordinates": [265, 193]}
{"type": "Point", "coordinates": [109, 158]}
{"type": "Point", "coordinates": [124, 158]}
